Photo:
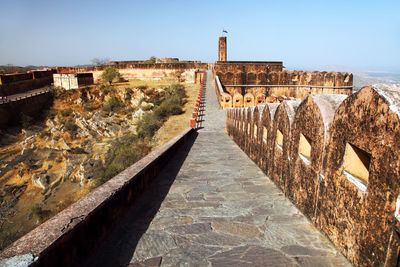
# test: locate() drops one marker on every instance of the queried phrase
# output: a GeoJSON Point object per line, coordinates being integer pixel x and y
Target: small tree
{"type": "Point", "coordinates": [109, 74]}
{"type": "Point", "coordinates": [100, 61]}
{"type": "Point", "coordinates": [152, 60]}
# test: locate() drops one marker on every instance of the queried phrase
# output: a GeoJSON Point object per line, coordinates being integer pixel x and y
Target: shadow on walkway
{"type": "Point", "coordinates": [119, 247]}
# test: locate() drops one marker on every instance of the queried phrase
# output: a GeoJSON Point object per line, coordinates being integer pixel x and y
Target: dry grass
{"type": "Point", "coordinates": [176, 124]}
{"type": "Point", "coordinates": [152, 83]}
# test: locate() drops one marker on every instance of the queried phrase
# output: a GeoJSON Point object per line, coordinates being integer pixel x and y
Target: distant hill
{"type": "Point", "coordinates": [371, 77]}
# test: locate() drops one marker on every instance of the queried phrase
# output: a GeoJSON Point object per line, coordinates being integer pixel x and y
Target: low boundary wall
{"type": "Point", "coordinates": [67, 238]}
{"type": "Point", "coordinates": [337, 158]}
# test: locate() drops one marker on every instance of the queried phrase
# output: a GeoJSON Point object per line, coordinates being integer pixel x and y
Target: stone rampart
{"type": "Point", "coordinates": [67, 238]}
{"type": "Point", "coordinates": [144, 70]}
{"type": "Point", "coordinates": [282, 85]}
{"type": "Point", "coordinates": [337, 157]}
{"type": "Point", "coordinates": [18, 83]}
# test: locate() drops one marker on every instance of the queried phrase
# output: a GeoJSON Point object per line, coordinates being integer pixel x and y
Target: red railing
{"type": "Point", "coordinates": [196, 111]}
{"type": "Point", "coordinates": [20, 96]}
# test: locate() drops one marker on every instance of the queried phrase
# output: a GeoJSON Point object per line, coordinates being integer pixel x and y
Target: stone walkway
{"type": "Point", "coordinates": [213, 206]}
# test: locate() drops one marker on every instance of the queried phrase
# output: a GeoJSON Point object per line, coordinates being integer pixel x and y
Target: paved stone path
{"type": "Point", "coordinates": [214, 207]}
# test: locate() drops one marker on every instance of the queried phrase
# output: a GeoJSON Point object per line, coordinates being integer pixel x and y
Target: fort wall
{"type": "Point", "coordinates": [11, 111]}
{"type": "Point", "coordinates": [337, 158]}
{"type": "Point", "coordinates": [144, 71]}
{"type": "Point", "coordinates": [282, 85]}
{"type": "Point", "coordinates": [18, 83]}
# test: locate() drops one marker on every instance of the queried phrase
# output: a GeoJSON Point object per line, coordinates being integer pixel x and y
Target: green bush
{"type": "Point", "coordinates": [148, 125]}
{"type": "Point", "coordinates": [77, 150]}
{"type": "Point", "coordinates": [90, 107]}
{"type": "Point", "coordinates": [37, 211]}
{"type": "Point", "coordinates": [127, 96]}
{"type": "Point", "coordinates": [66, 112]}
{"type": "Point", "coordinates": [112, 104]}
{"type": "Point", "coordinates": [177, 90]}
{"type": "Point", "coordinates": [127, 153]}
{"type": "Point", "coordinates": [147, 107]}
{"type": "Point", "coordinates": [170, 106]}
{"type": "Point", "coordinates": [109, 74]}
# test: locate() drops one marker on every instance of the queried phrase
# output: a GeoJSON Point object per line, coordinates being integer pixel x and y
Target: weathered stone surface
{"type": "Point", "coordinates": [18, 261]}
{"type": "Point", "coordinates": [330, 161]}
{"type": "Point", "coordinates": [153, 244]}
{"type": "Point", "coordinates": [362, 221]}
{"type": "Point", "coordinates": [251, 256]}
{"type": "Point", "coordinates": [280, 144]}
{"type": "Point", "coordinates": [152, 262]}
{"type": "Point", "coordinates": [300, 250]}
{"type": "Point", "coordinates": [309, 140]}
{"type": "Point", "coordinates": [252, 73]}
{"type": "Point", "coordinates": [190, 229]}
{"type": "Point", "coordinates": [161, 222]}
{"type": "Point", "coordinates": [238, 229]}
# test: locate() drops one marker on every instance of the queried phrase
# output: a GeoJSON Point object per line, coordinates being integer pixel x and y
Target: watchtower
{"type": "Point", "coordinates": [222, 49]}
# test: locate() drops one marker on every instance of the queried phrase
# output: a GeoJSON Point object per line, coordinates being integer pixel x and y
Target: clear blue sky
{"type": "Point", "coordinates": [356, 34]}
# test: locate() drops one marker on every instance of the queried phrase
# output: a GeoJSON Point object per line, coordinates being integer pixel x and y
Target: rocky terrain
{"type": "Point", "coordinates": [86, 137]}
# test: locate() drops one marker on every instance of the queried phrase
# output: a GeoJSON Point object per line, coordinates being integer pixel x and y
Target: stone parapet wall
{"type": "Point", "coordinates": [288, 84]}
{"type": "Point", "coordinates": [337, 157]}
{"type": "Point", "coordinates": [10, 112]}
{"type": "Point", "coordinates": [12, 78]}
{"type": "Point", "coordinates": [310, 79]}
{"type": "Point", "coordinates": [24, 86]}
{"type": "Point", "coordinates": [18, 83]}
{"type": "Point", "coordinates": [67, 238]}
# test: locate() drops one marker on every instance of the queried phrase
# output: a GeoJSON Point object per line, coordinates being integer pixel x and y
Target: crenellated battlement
{"type": "Point", "coordinates": [275, 86]}
{"type": "Point", "coordinates": [337, 158]}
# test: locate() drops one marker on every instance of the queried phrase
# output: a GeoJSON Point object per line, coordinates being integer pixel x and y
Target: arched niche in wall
{"type": "Point", "coordinates": [251, 78]}
{"type": "Point", "coordinates": [260, 99]}
{"type": "Point", "coordinates": [248, 100]}
{"type": "Point", "coordinates": [237, 100]}
{"type": "Point", "coordinates": [226, 100]}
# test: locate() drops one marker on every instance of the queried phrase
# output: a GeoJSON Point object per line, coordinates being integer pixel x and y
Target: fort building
{"type": "Point", "coordinates": [72, 80]}
{"type": "Point", "coordinates": [266, 81]}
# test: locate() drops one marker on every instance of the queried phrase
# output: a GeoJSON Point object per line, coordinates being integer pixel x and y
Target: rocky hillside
{"type": "Point", "coordinates": [86, 137]}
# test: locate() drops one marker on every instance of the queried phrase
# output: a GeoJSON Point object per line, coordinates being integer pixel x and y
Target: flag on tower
{"type": "Point", "coordinates": [224, 31]}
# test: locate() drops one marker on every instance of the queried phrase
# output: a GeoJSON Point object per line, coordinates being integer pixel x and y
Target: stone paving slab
{"type": "Point", "coordinates": [212, 206]}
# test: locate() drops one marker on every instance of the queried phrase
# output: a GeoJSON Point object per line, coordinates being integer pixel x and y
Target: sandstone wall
{"type": "Point", "coordinates": [222, 48]}
{"type": "Point", "coordinates": [288, 84]}
{"type": "Point", "coordinates": [144, 70]}
{"type": "Point", "coordinates": [241, 72]}
{"type": "Point", "coordinates": [337, 157]}
{"type": "Point", "coordinates": [22, 82]}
